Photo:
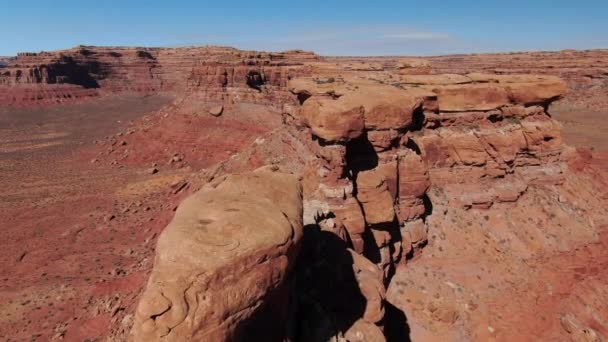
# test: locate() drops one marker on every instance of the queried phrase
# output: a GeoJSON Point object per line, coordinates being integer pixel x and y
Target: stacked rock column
{"type": "Point", "coordinates": [367, 185]}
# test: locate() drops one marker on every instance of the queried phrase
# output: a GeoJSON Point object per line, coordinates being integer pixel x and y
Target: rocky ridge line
{"type": "Point", "coordinates": [68, 76]}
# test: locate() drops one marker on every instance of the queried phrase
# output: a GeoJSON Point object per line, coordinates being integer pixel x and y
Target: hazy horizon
{"type": "Point", "coordinates": [337, 56]}
{"type": "Point", "coordinates": [339, 28]}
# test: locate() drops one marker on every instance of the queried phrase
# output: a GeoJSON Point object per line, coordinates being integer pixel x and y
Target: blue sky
{"type": "Point", "coordinates": [372, 27]}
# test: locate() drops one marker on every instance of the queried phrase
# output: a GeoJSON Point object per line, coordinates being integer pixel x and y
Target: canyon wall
{"type": "Point", "coordinates": [585, 72]}
{"type": "Point", "coordinates": [381, 144]}
{"type": "Point", "coordinates": [69, 76]}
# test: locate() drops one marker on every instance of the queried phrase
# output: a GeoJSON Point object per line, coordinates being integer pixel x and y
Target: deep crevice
{"type": "Point", "coordinates": [418, 119]}
{"type": "Point", "coordinates": [255, 80]}
{"type": "Point", "coordinates": [329, 300]}
{"type": "Point", "coordinates": [360, 155]}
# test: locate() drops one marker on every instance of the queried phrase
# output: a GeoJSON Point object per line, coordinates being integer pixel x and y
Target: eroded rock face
{"type": "Point", "coordinates": [482, 140]}
{"type": "Point", "coordinates": [73, 75]}
{"type": "Point", "coordinates": [367, 200]}
{"type": "Point", "coordinates": [584, 72]}
{"type": "Point", "coordinates": [334, 120]}
{"type": "Point", "coordinates": [223, 258]}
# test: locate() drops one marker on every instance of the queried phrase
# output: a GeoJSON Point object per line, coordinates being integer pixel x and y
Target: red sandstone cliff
{"type": "Point", "coordinates": [82, 72]}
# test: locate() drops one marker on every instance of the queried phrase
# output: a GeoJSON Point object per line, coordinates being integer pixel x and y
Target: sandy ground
{"type": "Point", "coordinates": [86, 190]}
{"type": "Point", "coordinates": [73, 239]}
{"type": "Point", "coordinates": [586, 129]}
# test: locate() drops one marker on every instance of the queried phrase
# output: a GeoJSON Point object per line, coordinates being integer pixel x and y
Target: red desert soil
{"type": "Point", "coordinates": [586, 129]}
{"type": "Point", "coordinates": [75, 232]}
{"type": "Point", "coordinates": [80, 227]}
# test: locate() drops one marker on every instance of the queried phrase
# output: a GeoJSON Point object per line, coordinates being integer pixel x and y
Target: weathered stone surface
{"type": "Point", "coordinates": [73, 75]}
{"type": "Point", "coordinates": [407, 63]}
{"type": "Point", "coordinates": [470, 97]}
{"type": "Point", "coordinates": [306, 87]}
{"type": "Point", "coordinates": [333, 120]}
{"type": "Point", "coordinates": [227, 249]}
{"type": "Point", "coordinates": [443, 79]}
{"type": "Point", "coordinates": [351, 216]}
{"type": "Point", "coordinates": [362, 331]}
{"type": "Point", "coordinates": [531, 93]}
{"type": "Point", "coordinates": [413, 176]}
{"type": "Point", "coordinates": [416, 230]}
{"type": "Point", "coordinates": [513, 78]}
{"type": "Point", "coordinates": [373, 193]}
{"type": "Point", "coordinates": [457, 155]}
{"type": "Point", "coordinates": [216, 110]}
{"type": "Point", "coordinates": [382, 140]}
{"type": "Point", "coordinates": [390, 172]}
{"type": "Point", "coordinates": [386, 107]}
{"type": "Point", "coordinates": [370, 281]}
{"type": "Point", "coordinates": [331, 108]}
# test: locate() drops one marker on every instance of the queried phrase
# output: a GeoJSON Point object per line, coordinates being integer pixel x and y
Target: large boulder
{"type": "Point", "coordinates": [333, 120]}
{"type": "Point", "coordinates": [413, 183]}
{"type": "Point", "coordinates": [529, 93]}
{"type": "Point", "coordinates": [370, 281]}
{"type": "Point", "coordinates": [470, 97]}
{"type": "Point", "coordinates": [350, 216]}
{"type": "Point", "coordinates": [527, 89]}
{"type": "Point", "coordinates": [338, 111]}
{"type": "Point", "coordinates": [375, 197]}
{"type": "Point", "coordinates": [225, 254]}
{"type": "Point", "coordinates": [443, 79]}
{"type": "Point", "coordinates": [386, 107]}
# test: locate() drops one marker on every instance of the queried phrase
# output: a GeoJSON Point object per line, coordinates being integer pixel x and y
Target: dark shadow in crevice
{"type": "Point", "coordinates": [370, 249]}
{"type": "Point", "coordinates": [145, 55]}
{"type": "Point", "coordinates": [494, 118]}
{"type": "Point", "coordinates": [417, 119]}
{"type": "Point", "coordinates": [428, 206]}
{"type": "Point", "coordinates": [372, 252]}
{"type": "Point", "coordinates": [322, 142]}
{"type": "Point", "coordinates": [255, 80]}
{"type": "Point", "coordinates": [411, 144]}
{"type": "Point", "coordinates": [68, 70]}
{"type": "Point", "coordinates": [360, 155]}
{"type": "Point", "coordinates": [396, 327]}
{"type": "Point", "coordinates": [262, 325]}
{"type": "Point", "coordinates": [328, 296]}
{"type": "Point", "coordinates": [303, 96]}
{"type": "Point", "coordinates": [395, 236]}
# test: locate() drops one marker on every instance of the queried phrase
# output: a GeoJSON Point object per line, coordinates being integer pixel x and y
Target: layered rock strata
{"type": "Point", "coordinates": [223, 262]}
{"type": "Point", "coordinates": [366, 186]}
{"type": "Point", "coordinates": [585, 72]}
{"type": "Point", "coordinates": [71, 75]}
{"type": "Point", "coordinates": [493, 132]}
{"type": "Point", "coordinates": [380, 146]}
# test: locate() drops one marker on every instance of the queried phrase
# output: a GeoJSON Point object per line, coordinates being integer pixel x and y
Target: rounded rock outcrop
{"type": "Point", "coordinates": [225, 254]}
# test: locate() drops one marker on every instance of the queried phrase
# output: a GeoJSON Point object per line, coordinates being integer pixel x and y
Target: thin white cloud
{"type": "Point", "coordinates": [418, 36]}
{"type": "Point", "coordinates": [339, 40]}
